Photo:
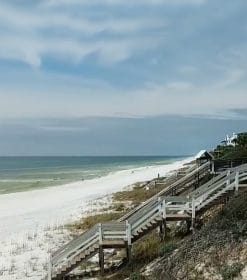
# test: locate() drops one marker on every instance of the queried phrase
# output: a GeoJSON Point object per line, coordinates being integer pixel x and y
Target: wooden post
{"type": "Point", "coordinates": [101, 259]}
{"type": "Point", "coordinates": [164, 218]}
{"type": "Point", "coordinates": [160, 205]}
{"type": "Point", "coordinates": [213, 167]}
{"type": "Point", "coordinates": [129, 245]}
{"type": "Point", "coordinates": [164, 209]}
{"type": "Point", "coordinates": [128, 253]}
{"type": "Point", "coordinates": [228, 180]}
{"type": "Point", "coordinates": [188, 224]}
{"type": "Point", "coordinates": [164, 228]}
{"type": "Point", "coordinates": [193, 215]}
{"type": "Point", "coordinates": [161, 231]}
{"type": "Point", "coordinates": [101, 251]}
{"type": "Point", "coordinates": [100, 234]}
{"type": "Point", "coordinates": [128, 232]}
{"type": "Point", "coordinates": [236, 182]}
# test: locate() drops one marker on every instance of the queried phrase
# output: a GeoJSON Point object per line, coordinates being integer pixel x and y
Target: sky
{"type": "Point", "coordinates": [98, 77]}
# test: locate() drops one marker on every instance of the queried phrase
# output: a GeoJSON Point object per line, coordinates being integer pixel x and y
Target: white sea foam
{"type": "Point", "coordinates": [31, 221]}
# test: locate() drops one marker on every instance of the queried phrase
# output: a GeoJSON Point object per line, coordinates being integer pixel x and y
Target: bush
{"type": "Point", "coordinates": [230, 271]}
{"type": "Point", "coordinates": [136, 276]}
{"type": "Point", "coordinates": [167, 249]}
{"type": "Point", "coordinates": [138, 194]}
{"type": "Point", "coordinates": [147, 249]}
{"type": "Point", "coordinates": [90, 221]}
{"type": "Point", "coordinates": [120, 207]}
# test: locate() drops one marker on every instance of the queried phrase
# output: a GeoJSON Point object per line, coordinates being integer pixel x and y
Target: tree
{"type": "Point", "coordinates": [242, 140]}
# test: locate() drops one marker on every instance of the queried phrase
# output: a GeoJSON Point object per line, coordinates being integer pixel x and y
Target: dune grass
{"type": "Point", "coordinates": [90, 221]}
{"type": "Point", "coordinates": [138, 194]}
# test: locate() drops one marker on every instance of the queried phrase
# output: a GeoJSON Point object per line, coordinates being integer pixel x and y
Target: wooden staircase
{"type": "Point", "coordinates": [155, 212]}
{"type": "Point", "coordinates": [74, 253]}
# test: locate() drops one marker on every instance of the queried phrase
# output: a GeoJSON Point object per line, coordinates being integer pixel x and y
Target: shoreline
{"type": "Point", "coordinates": [68, 200]}
{"type": "Point", "coordinates": [42, 173]}
{"type": "Point", "coordinates": [67, 204]}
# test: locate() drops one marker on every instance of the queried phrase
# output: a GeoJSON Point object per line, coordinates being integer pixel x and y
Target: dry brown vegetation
{"type": "Point", "coordinates": [217, 251]}
{"type": "Point", "coordinates": [134, 197]}
{"type": "Point", "coordinates": [90, 221]}
{"type": "Point", "coordinates": [138, 194]}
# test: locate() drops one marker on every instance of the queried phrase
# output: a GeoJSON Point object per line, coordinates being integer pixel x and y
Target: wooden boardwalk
{"type": "Point", "coordinates": [155, 212]}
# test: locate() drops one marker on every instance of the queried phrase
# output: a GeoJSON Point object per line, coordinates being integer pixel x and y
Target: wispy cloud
{"type": "Point", "coordinates": [31, 50]}
{"type": "Point", "coordinates": [71, 97]}
{"type": "Point", "coordinates": [129, 58]}
{"type": "Point", "coordinates": [31, 34]}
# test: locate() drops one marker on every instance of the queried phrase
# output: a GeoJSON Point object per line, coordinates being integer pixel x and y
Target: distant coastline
{"type": "Point", "coordinates": [35, 220]}
{"type": "Point", "coordinates": [19, 174]}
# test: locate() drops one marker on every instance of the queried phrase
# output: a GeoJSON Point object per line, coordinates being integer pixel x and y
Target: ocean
{"type": "Point", "coordinates": [18, 174]}
{"type": "Point", "coordinates": [34, 216]}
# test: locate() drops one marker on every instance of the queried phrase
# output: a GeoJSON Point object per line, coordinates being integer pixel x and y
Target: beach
{"type": "Point", "coordinates": [33, 222]}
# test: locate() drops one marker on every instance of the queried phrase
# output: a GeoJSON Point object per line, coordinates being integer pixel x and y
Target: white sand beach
{"type": "Point", "coordinates": [32, 222]}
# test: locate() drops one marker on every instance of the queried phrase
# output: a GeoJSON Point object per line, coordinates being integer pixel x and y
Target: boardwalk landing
{"type": "Point", "coordinates": [155, 212]}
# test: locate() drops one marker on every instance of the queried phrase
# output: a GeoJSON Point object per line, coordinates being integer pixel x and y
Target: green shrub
{"type": "Point", "coordinates": [138, 194]}
{"type": "Point", "coordinates": [136, 276]}
{"type": "Point", "coordinates": [230, 271]}
{"type": "Point", "coordinates": [167, 249]}
{"type": "Point", "coordinates": [147, 249]}
{"type": "Point", "coordinates": [90, 221]}
{"type": "Point", "coordinates": [120, 207]}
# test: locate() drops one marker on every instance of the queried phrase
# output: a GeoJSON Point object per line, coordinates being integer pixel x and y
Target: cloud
{"type": "Point", "coordinates": [35, 19]}
{"type": "Point", "coordinates": [128, 58]}
{"type": "Point", "coordinates": [65, 96]}
{"type": "Point", "coordinates": [34, 33]}
{"type": "Point", "coordinates": [31, 50]}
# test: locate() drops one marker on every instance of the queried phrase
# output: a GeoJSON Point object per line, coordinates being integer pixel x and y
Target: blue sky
{"type": "Point", "coordinates": [74, 59]}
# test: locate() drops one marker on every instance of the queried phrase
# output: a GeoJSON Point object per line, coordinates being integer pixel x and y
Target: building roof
{"type": "Point", "coordinates": [204, 154]}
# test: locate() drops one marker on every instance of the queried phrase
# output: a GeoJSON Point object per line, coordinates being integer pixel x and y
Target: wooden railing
{"type": "Point", "coordinates": [194, 171]}
{"type": "Point", "coordinates": [159, 206]}
{"type": "Point", "coordinates": [82, 243]}
{"type": "Point", "coordinates": [223, 164]}
{"type": "Point", "coordinates": [114, 231]}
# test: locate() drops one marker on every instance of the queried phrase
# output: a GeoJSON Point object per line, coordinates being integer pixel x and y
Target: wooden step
{"type": "Point", "coordinates": [145, 227]}
{"type": "Point", "coordinates": [66, 268]}
{"type": "Point", "coordinates": [177, 217]}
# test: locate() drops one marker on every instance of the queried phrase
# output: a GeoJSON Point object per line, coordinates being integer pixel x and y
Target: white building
{"type": "Point", "coordinates": [230, 140]}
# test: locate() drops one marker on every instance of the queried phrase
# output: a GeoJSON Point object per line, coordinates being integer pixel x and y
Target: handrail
{"type": "Point", "coordinates": [73, 245]}
{"type": "Point", "coordinates": [225, 184]}
{"type": "Point", "coordinates": [242, 167]}
{"type": "Point", "coordinates": [181, 199]}
{"type": "Point", "coordinates": [221, 164]}
{"type": "Point", "coordinates": [218, 180]}
{"type": "Point", "coordinates": [92, 240]}
{"type": "Point", "coordinates": [69, 247]}
{"type": "Point", "coordinates": [207, 186]}
{"type": "Point", "coordinates": [144, 218]}
{"type": "Point", "coordinates": [217, 185]}
{"type": "Point", "coordinates": [136, 218]}
{"type": "Point", "coordinates": [142, 212]}
{"type": "Point", "coordinates": [166, 190]}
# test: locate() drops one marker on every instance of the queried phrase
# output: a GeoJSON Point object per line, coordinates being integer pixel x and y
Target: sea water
{"type": "Point", "coordinates": [33, 222]}
{"type": "Point", "coordinates": [29, 173]}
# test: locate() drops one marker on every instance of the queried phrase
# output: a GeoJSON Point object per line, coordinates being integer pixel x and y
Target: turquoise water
{"type": "Point", "coordinates": [28, 173]}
